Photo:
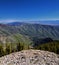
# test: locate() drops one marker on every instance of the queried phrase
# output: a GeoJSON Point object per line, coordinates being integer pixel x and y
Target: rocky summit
{"type": "Point", "coordinates": [30, 57]}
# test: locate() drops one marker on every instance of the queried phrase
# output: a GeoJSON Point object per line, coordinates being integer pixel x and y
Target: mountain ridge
{"type": "Point", "coordinates": [33, 30]}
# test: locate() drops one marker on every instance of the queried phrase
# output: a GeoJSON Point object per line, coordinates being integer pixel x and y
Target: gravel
{"type": "Point", "coordinates": [30, 57]}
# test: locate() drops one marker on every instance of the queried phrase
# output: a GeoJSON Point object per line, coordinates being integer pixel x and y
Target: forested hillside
{"type": "Point", "coordinates": [50, 46]}
{"type": "Point", "coordinates": [19, 36]}
{"type": "Point", "coordinates": [31, 30]}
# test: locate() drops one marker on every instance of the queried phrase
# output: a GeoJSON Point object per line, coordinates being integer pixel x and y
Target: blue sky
{"type": "Point", "coordinates": [29, 10]}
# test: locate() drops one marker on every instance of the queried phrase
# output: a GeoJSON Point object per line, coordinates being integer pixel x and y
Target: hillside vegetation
{"type": "Point", "coordinates": [14, 47]}
{"type": "Point", "coordinates": [16, 37]}
{"type": "Point", "coordinates": [31, 30]}
{"type": "Point", "coordinates": [50, 46]}
{"type": "Point", "coordinates": [8, 48]}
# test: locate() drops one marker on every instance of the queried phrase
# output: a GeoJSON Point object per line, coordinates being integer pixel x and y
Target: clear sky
{"type": "Point", "coordinates": [11, 10]}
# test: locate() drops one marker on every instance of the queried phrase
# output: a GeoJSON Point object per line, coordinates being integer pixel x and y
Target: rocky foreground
{"type": "Point", "coordinates": [30, 57]}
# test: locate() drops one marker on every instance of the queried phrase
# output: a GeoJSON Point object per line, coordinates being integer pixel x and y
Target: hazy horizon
{"type": "Point", "coordinates": [43, 11]}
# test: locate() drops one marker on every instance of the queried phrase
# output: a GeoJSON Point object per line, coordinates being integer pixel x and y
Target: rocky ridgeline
{"type": "Point", "coordinates": [30, 57]}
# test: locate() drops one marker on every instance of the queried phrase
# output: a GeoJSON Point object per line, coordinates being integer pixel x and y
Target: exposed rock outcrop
{"type": "Point", "coordinates": [30, 57]}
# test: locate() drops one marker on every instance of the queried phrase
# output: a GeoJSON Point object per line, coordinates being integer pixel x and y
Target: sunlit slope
{"type": "Point", "coordinates": [31, 30]}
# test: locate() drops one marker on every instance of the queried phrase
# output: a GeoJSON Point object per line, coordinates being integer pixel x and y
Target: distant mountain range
{"type": "Point", "coordinates": [35, 30]}
{"type": "Point", "coordinates": [15, 23]}
{"type": "Point", "coordinates": [29, 31]}
{"type": "Point", "coordinates": [44, 22]}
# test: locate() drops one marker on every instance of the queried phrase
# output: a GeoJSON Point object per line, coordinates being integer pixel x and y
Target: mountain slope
{"type": "Point", "coordinates": [32, 30]}
{"type": "Point", "coordinates": [52, 46]}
